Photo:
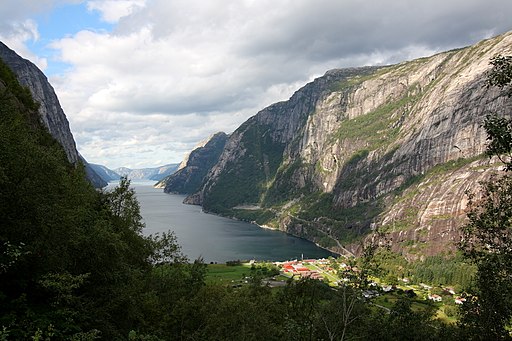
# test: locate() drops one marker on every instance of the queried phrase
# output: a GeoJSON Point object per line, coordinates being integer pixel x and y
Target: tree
{"type": "Point", "coordinates": [487, 238]}
{"type": "Point", "coordinates": [498, 127]}
{"type": "Point", "coordinates": [487, 241]}
{"type": "Point", "coordinates": [123, 204]}
{"type": "Point", "coordinates": [501, 73]}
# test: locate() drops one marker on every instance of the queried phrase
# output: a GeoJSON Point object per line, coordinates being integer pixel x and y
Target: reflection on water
{"type": "Point", "coordinates": [215, 238]}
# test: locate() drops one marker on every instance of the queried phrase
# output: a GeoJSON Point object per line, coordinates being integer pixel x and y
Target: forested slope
{"type": "Point", "coordinates": [73, 262]}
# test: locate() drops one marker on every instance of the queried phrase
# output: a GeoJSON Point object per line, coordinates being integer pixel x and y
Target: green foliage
{"type": "Point", "coordinates": [487, 238]}
{"type": "Point", "coordinates": [499, 135]}
{"type": "Point", "coordinates": [10, 254]}
{"type": "Point", "coordinates": [346, 224]}
{"type": "Point", "coordinates": [403, 323]}
{"type": "Point", "coordinates": [262, 271]}
{"type": "Point", "coordinates": [13, 86]}
{"type": "Point", "coordinates": [499, 128]}
{"type": "Point", "coordinates": [433, 270]}
{"type": "Point", "coordinates": [352, 177]}
{"type": "Point", "coordinates": [123, 205]}
{"type": "Point", "coordinates": [222, 273]}
{"type": "Point", "coordinates": [282, 188]}
{"type": "Point", "coordinates": [259, 216]}
{"type": "Point", "coordinates": [501, 73]}
{"type": "Point", "coordinates": [442, 270]}
{"type": "Point", "coordinates": [487, 241]}
{"type": "Point", "coordinates": [362, 76]}
{"type": "Point", "coordinates": [249, 175]}
{"type": "Point", "coordinates": [237, 262]}
{"type": "Point", "coordinates": [378, 127]}
{"type": "Point", "coordinates": [166, 249]}
{"type": "Point", "coordinates": [73, 263]}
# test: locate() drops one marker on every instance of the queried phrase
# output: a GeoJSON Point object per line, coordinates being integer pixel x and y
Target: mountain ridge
{"type": "Point", "coordinates": [149, 173]}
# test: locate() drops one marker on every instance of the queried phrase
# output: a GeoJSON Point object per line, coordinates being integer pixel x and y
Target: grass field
{"type": "Point", "coordinates": [221, 273]}
{"type": "Point", "coordinates": [235, 275]}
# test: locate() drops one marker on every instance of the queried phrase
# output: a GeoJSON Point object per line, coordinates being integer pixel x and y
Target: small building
{"type": "Point", "coordinates": [435, 298]}
{"type": "Point", "coordinates": [459, 300]}
{"type": "Point", "coordinates": [370, 293]}
{"type": "Point", "coordinates": [450, 291]}
{"type": "Point", "coordinates": [387, 288]}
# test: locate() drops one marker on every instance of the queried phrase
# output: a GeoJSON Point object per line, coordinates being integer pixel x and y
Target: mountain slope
{"type": "Point", "coordinates": [50, 112]}
{"type": "Point", "coordinates": [105, 173]}
{"type": "Point", "coordinates": [330, 163]}
{"type": "Point", "coordinates": [163, 171]}
{"type": "Point", "coordinates": [191, 172]}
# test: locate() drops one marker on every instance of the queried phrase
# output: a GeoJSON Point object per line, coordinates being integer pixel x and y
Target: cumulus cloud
{"type": "Point", "coordinates": [173, 72]}
{"type": "Point", "coordinates": [113, 10]}
{"type": "Point", "coordinates": [16, 34]}
{"type": "Point", "coordinates": [17, 28]}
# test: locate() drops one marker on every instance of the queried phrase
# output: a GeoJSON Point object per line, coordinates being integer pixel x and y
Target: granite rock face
{"type": "Point", "coordinates": [51, 114]}
{"type": "Point", "coordinates": [330, 163]}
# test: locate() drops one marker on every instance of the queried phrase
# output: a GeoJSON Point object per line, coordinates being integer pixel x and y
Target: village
{"type": "Point", "coordinates": [335, 273]}
{"type": "Point", "coordinates": [330, 271]}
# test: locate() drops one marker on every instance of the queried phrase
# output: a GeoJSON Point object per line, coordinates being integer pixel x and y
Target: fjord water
{"type": "Point", "coordinates": [216, 239]}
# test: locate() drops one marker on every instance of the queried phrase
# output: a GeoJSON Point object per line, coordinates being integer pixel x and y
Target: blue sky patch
{"type": "Point", "coordinates": [64, 21]}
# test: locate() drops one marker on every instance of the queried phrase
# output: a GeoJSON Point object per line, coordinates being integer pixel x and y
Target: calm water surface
{"type": "Point", "coordinates": [215, 238]}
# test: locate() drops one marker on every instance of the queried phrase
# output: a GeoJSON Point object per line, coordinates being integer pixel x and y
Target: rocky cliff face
{"type": "Point", "coordinates": [196, 165]}
{"type": "Point", "coordinates": [425, 218]}
{"type": "Point", "coordinates": [330, 163]}
{"type": "Point", "coordinates": [51, 114]}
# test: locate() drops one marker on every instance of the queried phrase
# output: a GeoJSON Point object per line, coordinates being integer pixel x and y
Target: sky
{"type": "Point", "coordinates": [143, 81]}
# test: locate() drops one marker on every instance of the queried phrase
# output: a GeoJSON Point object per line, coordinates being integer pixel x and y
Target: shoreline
{"type": "Point", "coordinates": [266, 227]}
{"type": "Point", "coordinates": [261, 226]}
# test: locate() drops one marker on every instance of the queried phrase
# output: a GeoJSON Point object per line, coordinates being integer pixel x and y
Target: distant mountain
{"type": "Point", "coordinates": [191, 172]}
{"type": "Point", "coordinates": [105, 173]}
{"type": "Point", "coordinates": [164, 171]}
{"type": "Point", "coordinates": [156, 173]}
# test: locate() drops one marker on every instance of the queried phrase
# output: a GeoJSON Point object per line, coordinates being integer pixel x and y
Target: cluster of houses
{"type": "Point", "coordinates": [298, 268]}
{"type": "Point", "coordinates": [446, 292]}
{"type": "Point", "coordinates": [301, 269]}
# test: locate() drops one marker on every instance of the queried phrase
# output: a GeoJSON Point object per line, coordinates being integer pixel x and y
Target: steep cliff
{"type": "Point", "coordinates": [191, 172]}
{"type": "Point", "coordinates": [330, 163]}
{"type": "Point", "coordinates": [50, 112]}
